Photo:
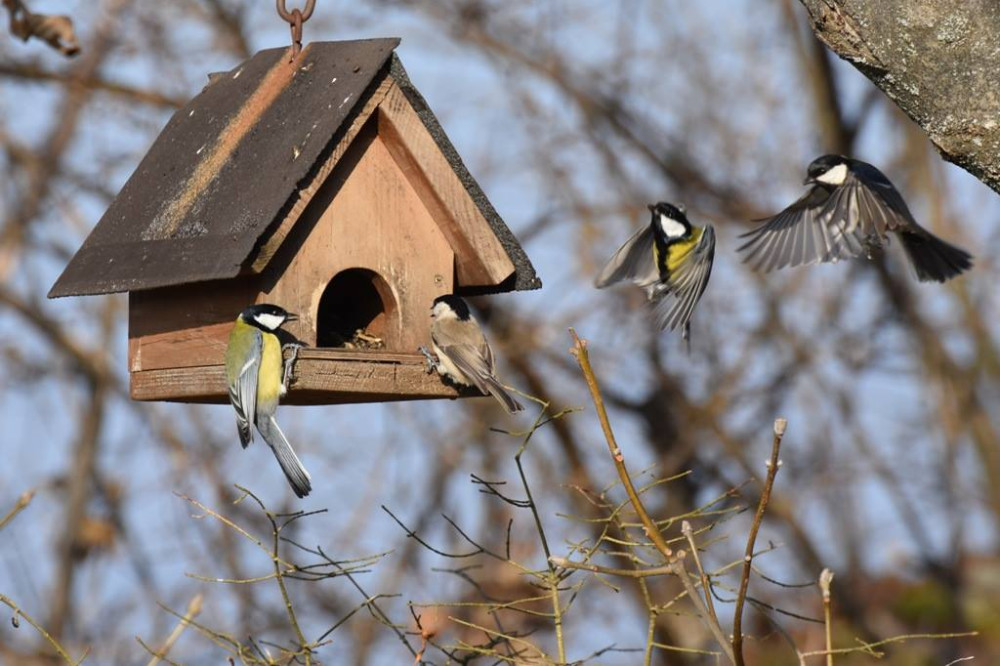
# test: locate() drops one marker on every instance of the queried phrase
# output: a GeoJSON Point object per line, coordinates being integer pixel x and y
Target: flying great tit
{"type": "Point", "coordinates": [254, 374]}
{"type": "Point", "coordinates": [463, 355]}
{"type": "Point", "coordinates": [849, 210]}
{"type": "Point", "coordinates": [671, 259]}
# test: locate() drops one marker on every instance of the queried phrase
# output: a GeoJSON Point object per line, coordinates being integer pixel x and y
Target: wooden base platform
{"type": "Point", "coordinates": [320, 377]}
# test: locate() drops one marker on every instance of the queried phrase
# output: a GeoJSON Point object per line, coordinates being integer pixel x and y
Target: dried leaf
{"type": "Point", "coordinates": [55, 30]}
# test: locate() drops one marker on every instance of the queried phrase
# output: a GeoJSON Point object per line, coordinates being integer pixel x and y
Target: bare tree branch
{"type": "Point", "coordinates": [936, 59]}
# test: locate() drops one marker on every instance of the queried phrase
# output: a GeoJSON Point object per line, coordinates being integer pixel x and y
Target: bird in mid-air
{"type": "Point", "coordinates": [463, 354]}
{"type": "Point", "coordinates": [849, 210]}
{"type": "Point", "coordinates": [671, 259]}
{"type": "Point", "coordinates": [256, 383]}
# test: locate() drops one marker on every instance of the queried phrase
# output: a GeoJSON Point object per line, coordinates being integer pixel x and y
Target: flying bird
{"type": "Point", "coordinates": [256, 383]}
{"type": "Point", "coordinates": [849, 210]}
{"type": "Point", "coordinates": [671, 259]}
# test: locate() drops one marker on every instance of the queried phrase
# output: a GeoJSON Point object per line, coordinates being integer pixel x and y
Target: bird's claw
{"type": "Point", "coordinates": [287, 375]}
{"type": "Point", "coordinates": [432, 361]}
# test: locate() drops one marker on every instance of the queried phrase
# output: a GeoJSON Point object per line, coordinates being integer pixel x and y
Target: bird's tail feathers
{"type": "Point", "coordinates": [246, 433]}
{"type": "Point", "coordinates": [497, 390]}
{"type": "Point", "coordinates": [934, 259]}
{"type": "Point", "coordinates": [294, 471]}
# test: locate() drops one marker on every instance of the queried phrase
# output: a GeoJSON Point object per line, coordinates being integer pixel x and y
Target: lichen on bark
{"type": "Point", "coordinates": [938, 60]}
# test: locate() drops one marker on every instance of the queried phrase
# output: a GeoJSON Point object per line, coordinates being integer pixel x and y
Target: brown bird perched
{"type": "Point", "coordinates": [463, 354]}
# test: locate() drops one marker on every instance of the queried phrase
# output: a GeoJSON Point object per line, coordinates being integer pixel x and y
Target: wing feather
{"type": "Point", "coordinates": [633, 261]}
{"type": "Point", "coordinates": [858, 217]}
{"type": "Point", "coordinates": [243, 392]}
{"type": "Point", "coordinates": [476, 363]}
{"type": "Point", "coordinates": [470, 361]}
{"type": "Point", "coordinates": [795, 236]}
{"type": "Point", "coordinates": [675, 301]}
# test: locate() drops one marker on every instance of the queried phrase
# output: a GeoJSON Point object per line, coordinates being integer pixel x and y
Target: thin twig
{"type": "Point", "coordinates": [193, 609]}
{"type": "Point", "coordinates": [676, 564]}
{"type": "Point", "coordinates": [706, 586]}
{"type": "Point", "coordinates": [280, 576]}
{"type": "Point", "coordinates": [868, 647]}
{"type": "Point", "coordinates": [682, 573]}
{"type": "Point", "coordinates": [552, 579]}
{"type": "Point", "coordinates": [611, 571]}
{"type": "Point", "coordinates": [825, 579]}
{"type": "Point", "coordinates": [579, 351]}
{"type": "Point", "coordinates": [772, 470]}
{"type": "Point", "coordinates": [424, 637]}
{"type": "Point", "coordinates": [22, 502]}
{"type": "Point", "coordinates": [40, 629]}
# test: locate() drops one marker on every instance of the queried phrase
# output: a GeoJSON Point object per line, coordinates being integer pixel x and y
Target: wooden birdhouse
{"type": "Point", "coordinates": [323, 184]}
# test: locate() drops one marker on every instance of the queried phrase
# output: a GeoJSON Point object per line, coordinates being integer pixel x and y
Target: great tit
{"type": "Point", "coordinates": [256, 383]}
{"type": "Point", "coordinates": [463, 355]}
{"type": "Point", "coordinates": [671, 259]}
{"type": "Point", "coordinates": [849, 210]}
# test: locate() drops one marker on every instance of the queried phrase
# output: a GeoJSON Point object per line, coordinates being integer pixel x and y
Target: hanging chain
{"type": "Point", "coordinates": [295, 19]}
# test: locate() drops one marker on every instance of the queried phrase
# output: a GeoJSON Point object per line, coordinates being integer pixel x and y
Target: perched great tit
{"type": "Point", "coordinates": [849, 210]}
{"type": "Point", "coordinates": [671, 259]}
{"type": "Point", "coordinates": [463, 355]}
{"type": "Point", "coordinates": [256, 383]}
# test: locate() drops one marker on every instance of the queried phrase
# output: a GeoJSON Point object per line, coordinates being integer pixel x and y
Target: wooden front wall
{"type": "Point", "coordinates": [366, 215]}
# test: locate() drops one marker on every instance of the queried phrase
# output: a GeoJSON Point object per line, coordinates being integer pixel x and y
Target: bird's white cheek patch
{"type": "Point", "coordinates": [671, 228]}
{"type": "Point", "coordinates": [270, 321]}
{"type": "Point", "coordinates": [835, 176]}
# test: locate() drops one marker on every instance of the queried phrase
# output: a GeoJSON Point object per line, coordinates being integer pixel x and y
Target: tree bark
{"type": "Point", "coordinates": [938, 60]}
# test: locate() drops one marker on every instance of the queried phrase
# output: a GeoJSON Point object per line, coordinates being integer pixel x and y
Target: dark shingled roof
{"type": "Point", "coordinates": [228, 163]}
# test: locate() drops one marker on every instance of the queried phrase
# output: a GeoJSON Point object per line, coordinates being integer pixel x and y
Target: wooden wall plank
{"type": "Point", "coordinates": [480, 258]}
{"type": "Point", "coordinates": [185, 326]}
{"type": "Point", "coordinates": [321, 376]}
{"type": "Point", "coordinates": [369, 218]}
{"type": "Point", "coordinates": [270, 244]}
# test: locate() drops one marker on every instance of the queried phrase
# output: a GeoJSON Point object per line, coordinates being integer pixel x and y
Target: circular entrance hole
{"type": "Point", "coordinates": [354, 311]}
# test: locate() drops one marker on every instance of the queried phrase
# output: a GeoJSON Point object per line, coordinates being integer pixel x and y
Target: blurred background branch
{"type": "Point", "coordinates": [573, 117]}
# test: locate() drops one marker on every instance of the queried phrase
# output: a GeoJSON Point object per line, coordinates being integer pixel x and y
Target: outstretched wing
{"type": "Point", "coordinates": [243, 391]}
{"type": "Point", "coordinates": [863, 210]}
{"type": "Point", "coordinates": [876, 185]}
{"type": "Point", "coordinates": [675, 301]}
{"type": "Point", "coordinates": [795, 236]}
{"type": "Point", "coordinates": [633, 261]}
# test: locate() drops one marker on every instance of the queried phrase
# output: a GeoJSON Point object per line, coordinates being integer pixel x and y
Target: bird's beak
{"type": "Point", "coordinates": [651, 207]}
{"type": "Point", "coordinates": [292, 317]}
{"type": "Point", "coordinates": [809, 180]}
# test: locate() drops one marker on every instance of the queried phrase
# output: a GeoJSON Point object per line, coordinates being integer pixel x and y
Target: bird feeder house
{"type": "Point", "coordinates": [321, 183]}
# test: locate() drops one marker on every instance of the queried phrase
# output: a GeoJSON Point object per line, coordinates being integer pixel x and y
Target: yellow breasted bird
{"type": "Point", "coordinates": [256, 384]}
{"type": "Point", "coordinates": [671, 259]}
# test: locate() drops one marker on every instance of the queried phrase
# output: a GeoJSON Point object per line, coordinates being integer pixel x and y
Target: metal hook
{"type": "Point", "coordinates": [295, 19]}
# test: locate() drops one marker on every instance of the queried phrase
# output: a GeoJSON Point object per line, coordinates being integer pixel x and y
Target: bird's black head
{"type": "Point", "coordinates": [450, 302]}
{"type": "Point", "coordinates": [267, 317]}
{"type": "Point", "coordinates": [669, 220]}
{"type": "Point", "coordinates": [824, 170]}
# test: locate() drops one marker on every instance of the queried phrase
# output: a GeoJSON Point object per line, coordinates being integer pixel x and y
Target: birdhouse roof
{"type": "Point", "coordinates": [229, 166]}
